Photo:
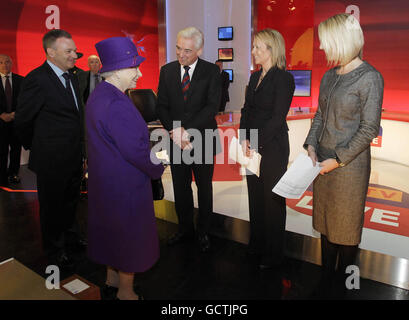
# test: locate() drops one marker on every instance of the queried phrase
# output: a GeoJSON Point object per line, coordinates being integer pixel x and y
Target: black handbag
{"type": "Point", "coordinates": [157, 189]}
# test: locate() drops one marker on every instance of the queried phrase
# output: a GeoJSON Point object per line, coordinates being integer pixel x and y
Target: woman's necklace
{"type": "Point", "coordinates": [263, 74]}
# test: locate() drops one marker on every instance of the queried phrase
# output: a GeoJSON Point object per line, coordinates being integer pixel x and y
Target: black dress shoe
{"type": "Point", "coordinates": [180, 237]}
{"type": "Point", "coordinates": [204, 243]}
{"type": "Point", "coordinates": [14, 179]}
{"type": "Point", "coordinates": [270, 263]}
{"type": "Point", "coordinates": [62, 260]}
{"type": "Point", "coordinates": [81, 243]}
{"type": "Point", "coordinates": [4, 183]}
{"type": "Point", "coordinates": [108, 292]}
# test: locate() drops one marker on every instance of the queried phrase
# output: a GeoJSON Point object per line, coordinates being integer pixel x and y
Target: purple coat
{"type": "Point", "coordinates": [121, 222]}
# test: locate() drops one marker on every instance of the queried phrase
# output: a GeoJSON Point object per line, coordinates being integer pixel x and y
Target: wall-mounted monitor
{"type": "Point", "coordinates": [230, 72]}
{"type": "Point", "coordinates": [302, 79]}
{"type": "Point", "coordinates": [225, 54]}
{"type": "Point", "coordinates": [225, 33]}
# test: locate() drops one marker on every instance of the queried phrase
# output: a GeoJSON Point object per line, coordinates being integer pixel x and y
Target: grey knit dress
{"type": "Point", "coordinates": [347, 119]}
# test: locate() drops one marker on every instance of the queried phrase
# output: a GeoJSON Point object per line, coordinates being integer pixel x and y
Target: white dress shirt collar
{"type": "Point", "coordinates": [3, 79]}
{"type": "Point", "coordinates": [59, 74]}
{"type": "Point", "coordinates": [191, 70]}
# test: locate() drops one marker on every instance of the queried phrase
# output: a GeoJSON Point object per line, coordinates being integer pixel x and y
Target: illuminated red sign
{"type": "Point", "coordinates": [386, 209]}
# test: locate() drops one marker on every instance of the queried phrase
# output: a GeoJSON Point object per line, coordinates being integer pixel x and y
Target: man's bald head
{"type": "Point", "coordinates": [5, 64]}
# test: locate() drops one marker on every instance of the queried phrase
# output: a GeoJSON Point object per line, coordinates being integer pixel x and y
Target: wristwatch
{"type": "Point", "coordinates": [340, 164]}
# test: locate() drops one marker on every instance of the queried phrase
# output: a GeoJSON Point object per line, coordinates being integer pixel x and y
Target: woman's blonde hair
{"type": "Point", "coordinates": [341, 38]}
{"type": "Point", "coordinates": [275, 43]}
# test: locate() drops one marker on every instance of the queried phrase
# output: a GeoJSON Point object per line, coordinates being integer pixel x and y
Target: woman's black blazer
{"type": "Point", "coordinates": [266, 107]}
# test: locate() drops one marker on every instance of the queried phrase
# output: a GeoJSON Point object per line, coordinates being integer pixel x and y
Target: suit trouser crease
{"type": "Point", "coordinates": [267, 210]}
{"type": "Point", "coordinates": [182, 179]}
{"type": "Point", "coordinates": [58, 198]}
{"type": "Point", "coordinates": [9, 146]}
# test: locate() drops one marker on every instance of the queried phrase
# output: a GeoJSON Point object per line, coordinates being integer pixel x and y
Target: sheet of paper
{"type": "Point", "coordinates": [236, 153]}
{"type": "Point", "coordinates": [76, 286]}
{"type": "Point", "coordinates": [254, 164]}
{"type": "Point", "coordinates": [162, 155]}
{"type": "Point", "coordinates": [297, 178]}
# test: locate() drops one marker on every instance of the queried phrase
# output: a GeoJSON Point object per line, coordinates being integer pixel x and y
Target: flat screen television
{"type": "Point", "coordinates": [230, 72]}
{"type": "Point", "coordinates": [225, 33]}
{"type": "Point", "coordinates": [225, 54]}
{"type": "Point", "coordinates": [302, 79]}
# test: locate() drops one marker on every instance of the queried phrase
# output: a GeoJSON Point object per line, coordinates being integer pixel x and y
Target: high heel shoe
{"type": "Point", "coordinates": [140, 297]}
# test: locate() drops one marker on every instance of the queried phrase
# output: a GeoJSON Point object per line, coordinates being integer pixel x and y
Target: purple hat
{"type": "Point", "coordinates": [118, 53]}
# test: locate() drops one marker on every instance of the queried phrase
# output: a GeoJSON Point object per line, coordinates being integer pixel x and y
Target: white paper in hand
{"type": "Point", "coordinates": [236, 153]}
{"type": "Point", "coordinates": [254, 164]}
{"type": "Point", "coordinates": [163, 156]}
{"type": "Point", "coordinates": [297, 178]}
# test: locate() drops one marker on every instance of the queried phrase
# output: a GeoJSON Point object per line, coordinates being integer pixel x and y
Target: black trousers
{"type": "Point", "coordinates": [58, 197]}
{"type": "Point", "coordinates": [9, 146]}
{"type": "Point", "coordinates": [268, 210]}
{"type": "Point", "coordinates": [182, 180]}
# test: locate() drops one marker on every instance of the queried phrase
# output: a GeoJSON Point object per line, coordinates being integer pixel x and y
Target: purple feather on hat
{"type": "Point", "coordinates": [118, 53]}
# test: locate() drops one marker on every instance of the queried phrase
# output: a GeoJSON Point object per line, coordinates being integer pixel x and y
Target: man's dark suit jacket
{"type": "Point", "coordinates": [15, 86]}
{"type": "Point", "coordinates": [49, 124]}
{"type": "Point", "coordinates": [203, 98]}
{"type": "Point", "coordinates": [83, 79]}
{"type": "Point", "coordinates": [225, 90]}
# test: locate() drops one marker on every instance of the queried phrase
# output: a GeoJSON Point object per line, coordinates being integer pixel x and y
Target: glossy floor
{"type": "Point", "coordinates": [182, 272]}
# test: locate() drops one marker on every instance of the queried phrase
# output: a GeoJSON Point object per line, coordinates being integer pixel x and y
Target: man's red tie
{"type": "Point", "coordinates": [185, 82]}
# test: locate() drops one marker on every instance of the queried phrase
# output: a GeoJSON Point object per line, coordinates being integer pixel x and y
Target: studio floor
{"type": "Point", "coordinates": [182, 272]}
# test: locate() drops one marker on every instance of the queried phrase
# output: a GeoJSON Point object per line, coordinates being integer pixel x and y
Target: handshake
{"type": "Point", "coordinates": [181, 137]}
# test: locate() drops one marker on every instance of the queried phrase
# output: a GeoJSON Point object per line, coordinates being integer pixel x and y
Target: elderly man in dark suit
{"type": "Point", "coordinates": [188, 99]}
{"type": "Point", "coordinates": [49, 122]}
{"type": "Point", "coordinates": [89, 79]}
{"type": "Point", "coordinates": [225, 81]}
{"type": "Point", "coordinates": [9, 89]}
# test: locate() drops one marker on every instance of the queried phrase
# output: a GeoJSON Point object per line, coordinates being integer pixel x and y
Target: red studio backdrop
{"type": "Point", "coordinates": [23, 23]}
{"type": "Point", "coordinates": [386, 29]}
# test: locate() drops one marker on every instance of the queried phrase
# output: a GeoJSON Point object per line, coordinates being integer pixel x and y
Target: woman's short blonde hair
{"type": "Point", "coordinates": [341, 38]}
{"type": "Point", "coordinates": [275, 43]}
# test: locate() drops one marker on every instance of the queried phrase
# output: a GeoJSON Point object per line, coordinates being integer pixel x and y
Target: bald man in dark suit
{"type": "Point", "coordinates": [10, 145]}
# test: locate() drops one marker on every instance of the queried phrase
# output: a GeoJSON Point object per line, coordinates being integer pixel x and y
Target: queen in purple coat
{"type": "Point", "coordinates": [121, 224]}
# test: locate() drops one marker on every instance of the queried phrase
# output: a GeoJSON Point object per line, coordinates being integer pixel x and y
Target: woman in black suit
{"type": "Point", "coordinates": [268, 99]}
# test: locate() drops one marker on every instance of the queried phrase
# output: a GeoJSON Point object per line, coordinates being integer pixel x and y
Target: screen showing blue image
{"type": "Point", "coordinates": [225, 33]}
{"type": "Point", "coordinates": [302, 79]}
{"type": "Point", "coordinates": [230, 72]}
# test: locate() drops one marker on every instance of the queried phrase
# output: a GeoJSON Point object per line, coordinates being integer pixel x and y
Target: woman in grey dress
{"type": "Point", "coordinates": [347, 120]}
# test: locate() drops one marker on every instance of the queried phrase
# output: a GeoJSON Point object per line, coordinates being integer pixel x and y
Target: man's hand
{"type": "Point", "coordinates": [181, 137]}
{"type": "Point", "coordinates": [7, 117]}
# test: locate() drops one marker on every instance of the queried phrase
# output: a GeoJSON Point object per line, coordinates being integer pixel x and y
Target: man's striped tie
{"type": "Point", "coordinates": [185, 82]}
